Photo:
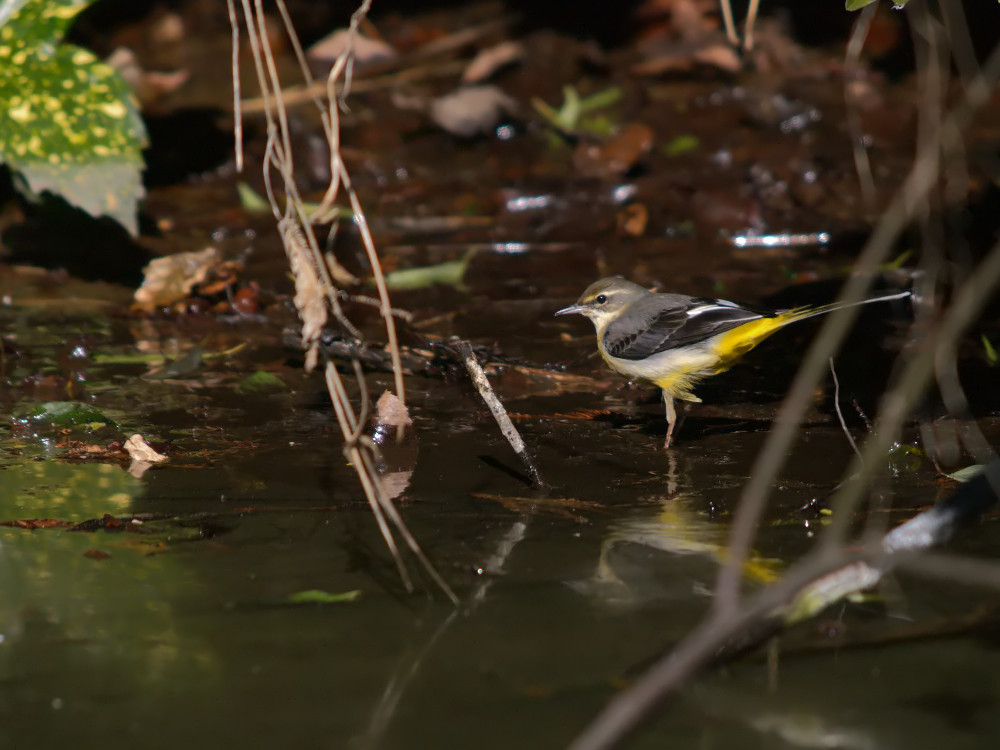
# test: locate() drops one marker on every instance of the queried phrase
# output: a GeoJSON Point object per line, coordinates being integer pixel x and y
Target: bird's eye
{"type": "Point", "coordinates": [601, 299]}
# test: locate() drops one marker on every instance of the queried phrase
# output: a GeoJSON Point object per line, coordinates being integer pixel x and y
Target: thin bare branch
{"type": "Point", "coordinates": [840, 414]}
{"type": "Point", "coordinates": [237, 88]}
{"type": "Point", "coordinates": [921, 179]}
{"type": "Point", "coordinates": [507, 427]}
{"type": "Point", "coordinates": [852, 71]}
{"type": "Point", "coordinates": [316, 288]}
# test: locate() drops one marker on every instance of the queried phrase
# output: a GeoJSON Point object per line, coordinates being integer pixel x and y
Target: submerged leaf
{"type": "Point", "coordinates": [991, 353]}
{"type": "Point", "coordinates": [316, 596]}
{"type": "Point", "coordinates": [449, 273]}
{"type": "Point", "coordinates": [256, 203]}
{"type": "Point", "coordinates": [680, 145]}
{"type": "Point", "coordinates": [186, 366]}
{"type": "Point", "coordinates": [69, 414]}
{"type": "Point", "coordinates": [251, 200]}
{"type": "Point", "coordinates": [261, 382]}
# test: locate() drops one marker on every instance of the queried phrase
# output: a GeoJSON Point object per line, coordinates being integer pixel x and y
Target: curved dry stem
{"type": "Point", "coordinates": [852, 70]}
{"type": "Point", "coordinates": [749, 23]}
{"type": "Point", "coordinates": [237, 88]}
{"type": "Point", "coordinates": [840, 415]}
{"type": "Point", "coordinates": [897, 403]}
{"type": "Point", "coordinates": [921, 179]}
{"type": "Point", "coordinates": [729, 614]}
{"type": "Point", "coordinates": [625, 713]}
{"type": "Point", "coordinates": [316, 287]}
{"type": "Point", "coordinates": [727, 22]}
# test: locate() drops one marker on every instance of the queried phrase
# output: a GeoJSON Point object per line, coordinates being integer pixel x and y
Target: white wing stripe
{"type": "Point", "coordinates": [720, 305]}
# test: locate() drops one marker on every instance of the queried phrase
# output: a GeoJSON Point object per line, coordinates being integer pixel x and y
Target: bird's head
{"type": "Point", "coordinates": [604, 300]}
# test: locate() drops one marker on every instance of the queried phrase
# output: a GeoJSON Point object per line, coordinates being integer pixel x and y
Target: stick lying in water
{"type": "Point", "coordinates": [499, 413]}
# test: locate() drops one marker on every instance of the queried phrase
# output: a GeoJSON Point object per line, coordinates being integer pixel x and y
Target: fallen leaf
{"type": "Point", "coordinates": [721, 56]}
{"type": "Point", "coordinates": [472, 110]}
{"type": "Point", "coordinates": [36, 523]}
{"type": "Point", "coordinates": [261, 381]}
{"type": "Point", "coordinates": [491, 60]}
{"type": "Point", "coordinates": [366, 50]}
{"type": "Point", "coordinates": [68, 414]}
{"type": "Point", "coordinates": [450, 272]}
{"type": "Point", "coordinates": [632, 220]}
{"type": "Point", "coordinates": [969, 472]}
{"type": "Point", "coordinates": [391, 412]}
{"type": "Point", "coordinates": [148, 85]}
{"type": "Point", "coordinates": [316, 596]}
{"type": "Point", "coordinates": [170, 279]}
{"type": "Point", "coordinates": [393, 432]}
{"type": "Point", "coordinates": [139, 450]}
{"type": "Point", "coordinates": [617, 155]}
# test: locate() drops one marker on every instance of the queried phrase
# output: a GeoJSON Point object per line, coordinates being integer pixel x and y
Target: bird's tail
{"type": "Point", "coordinates": [733, 344]}
{"type": "Point", "coordinates": [801, 313]}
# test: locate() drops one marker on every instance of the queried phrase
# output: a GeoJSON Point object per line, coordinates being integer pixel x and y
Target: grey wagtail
{"type": "Point", "coordinates": [674, 341]}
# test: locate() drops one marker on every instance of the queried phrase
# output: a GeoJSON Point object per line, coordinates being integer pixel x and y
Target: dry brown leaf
{"type": "Point", "coordinates": [632, 220]}
{"type": "Point", "coordinates": [366, 49]}
{"type": "Point", "coordinates": [669, 62]}
{"type": "Point", "coordinates": [471, 110]}
{"type": "Point", "coordinates": [398, 448]}
{"type": "Point", "coordinates": [617, 155]}
{"type": "Point", "coordinates": [491, 60]}
{"type": "Point", "coordinates": [391, 412]}
{"type": "Point", "coordinates": [148, 85]}
{"type": "Point", "coordinates": [310, 299]}
{"type": "Point", "coordinates": [139, 450]}
{"type": "Point", "coordinates": [721, 56]}
{"type": "Point", "coordinates": [170, 279]}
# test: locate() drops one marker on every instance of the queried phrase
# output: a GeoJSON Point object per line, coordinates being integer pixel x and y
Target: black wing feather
{"type": "Point", "coordinates": [656, 324]}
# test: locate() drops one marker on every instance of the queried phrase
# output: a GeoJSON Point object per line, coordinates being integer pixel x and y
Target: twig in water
{"type": "Point", "coordinates": [840, 415]}
{"type": "Point", "coordinates": [499, 413]}
{"type": "Point", "coordinates": [317, 280]}
{"type": "Point", "coordinates": [852, 65]}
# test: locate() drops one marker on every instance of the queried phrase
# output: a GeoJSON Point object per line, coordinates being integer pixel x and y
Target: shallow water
{"type": "Point", "coordinates": [159, 611]}
{"type": "Point", "coordinates": [178, 629]}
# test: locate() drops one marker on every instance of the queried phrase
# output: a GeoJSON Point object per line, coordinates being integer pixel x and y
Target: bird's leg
{"type": "Point", "coordinates": [671, 417]}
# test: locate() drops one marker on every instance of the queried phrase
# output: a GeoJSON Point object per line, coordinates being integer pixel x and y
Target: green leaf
{"type": "Point", "coordinates": [969, 472]}
{"type": "Point", "coordinates": [680, 145]}
{"type": "Point", "coordinates": [450, 273]}
{"type": "Point", "coordinates": [69, 124]}
{"type": "Point", "coordinates": [567, 117]}
{"type": "Point", "coordinates": [859, 4]}
{"type": "Point", "coordinates": [316, 596]}
{"type": "Point", "coordinates": [69, 414]}
{"type": "Point", "coordinates": [251, 200]}
{"type": "Point", "coordinates": [256, 203]}
{"type": "Point", "coordinates": [261, 382]}
{"type": "Point", "coordinates": [991, 353]}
